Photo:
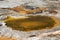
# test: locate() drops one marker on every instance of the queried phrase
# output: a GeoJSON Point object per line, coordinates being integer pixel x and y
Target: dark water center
{"type": "Point", "coordinates": [31, 23]}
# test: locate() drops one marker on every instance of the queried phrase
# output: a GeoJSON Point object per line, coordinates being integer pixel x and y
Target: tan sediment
{"type": "Point", "coordinates": [57, 22]}
{"type": "Point", "coordinates": [21, 9]}
{"type": "Point", "coordinates": [8, 18]}
{"type": "Point", "coordinates": [6, 38]}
